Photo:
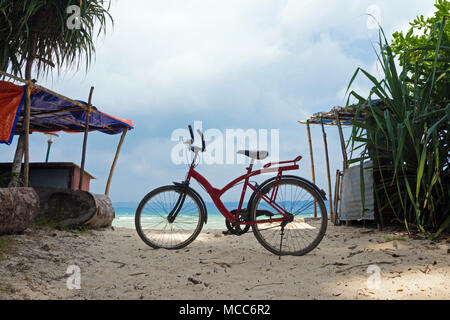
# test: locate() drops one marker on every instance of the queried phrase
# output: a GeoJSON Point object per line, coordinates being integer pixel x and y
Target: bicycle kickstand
{"type": "Point", "coordinates": [281, 240]}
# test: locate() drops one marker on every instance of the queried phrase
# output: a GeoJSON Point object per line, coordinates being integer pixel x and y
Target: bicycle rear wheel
{"type": "Point", "coordinates": [153, 225]}
{"type": "Point", "coordinates": [307, 229]}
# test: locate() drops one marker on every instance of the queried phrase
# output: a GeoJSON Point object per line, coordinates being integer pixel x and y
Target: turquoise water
{"type": "Point", "coordinates": [125, 212]}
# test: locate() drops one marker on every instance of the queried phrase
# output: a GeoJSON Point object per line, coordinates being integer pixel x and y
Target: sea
{"type": "Point", "coordinates": [125, 212]}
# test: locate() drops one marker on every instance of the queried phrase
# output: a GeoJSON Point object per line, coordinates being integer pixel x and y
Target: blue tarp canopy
{"type": "Point", "coordinates": [50, 113]}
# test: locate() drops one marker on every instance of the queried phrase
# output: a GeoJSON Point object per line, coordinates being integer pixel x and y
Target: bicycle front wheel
{"type": "Point", "coordinates": [154, 226]}
{"type": "Point", "coordinates": [306, 230]}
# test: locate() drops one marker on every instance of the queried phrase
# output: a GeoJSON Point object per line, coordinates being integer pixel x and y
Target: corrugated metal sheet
{"type": "Point", "coordinates": [351, 204]}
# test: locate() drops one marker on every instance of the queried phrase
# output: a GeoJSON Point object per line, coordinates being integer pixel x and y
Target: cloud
{"type": "Point", "coordinates": [232, 64]}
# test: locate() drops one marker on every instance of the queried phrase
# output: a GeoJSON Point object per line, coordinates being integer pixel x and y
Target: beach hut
{"type": "Point", "coordinates": [52, 112]}
{"type": "Point", "coordinates": [345, 202]}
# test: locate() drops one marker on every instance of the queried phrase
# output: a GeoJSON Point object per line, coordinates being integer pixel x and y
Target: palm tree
{"type": "Point", "coordinates": [41, 34]}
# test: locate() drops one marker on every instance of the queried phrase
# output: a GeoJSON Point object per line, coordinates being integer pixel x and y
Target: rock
{"type": "Point", "coordinates": [194, 281]}
{"type": "Point", "coordinates": [18, 207]}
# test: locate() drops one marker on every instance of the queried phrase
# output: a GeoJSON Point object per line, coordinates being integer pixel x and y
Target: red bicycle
{"type": "Point", "coordinates": [286, 213]}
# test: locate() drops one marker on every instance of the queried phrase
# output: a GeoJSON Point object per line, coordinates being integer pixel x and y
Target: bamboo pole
{"type": "Point", "coordinates": [5, 74]}
{"type": "Point", "coordinates": [35, 86]}
{"type": "Point", "coordinates": [341, 137]}
{"type": "Point", "coordinates": [312, 163]}
{"type": "Point", "coordinates": [86, 131]}
{"type": "Point", "coordinates": [54, 113]}
{"type": "Point", "coordinates": [66, 119]}
{"type": "Point", "coordinates": [116, 157]}
{"type": "Point", "coordinates": [337, 193]}
{"type": "Point", "coordinates": [328, 170]}
{"type": "Point", "coordinates": [335, 200]}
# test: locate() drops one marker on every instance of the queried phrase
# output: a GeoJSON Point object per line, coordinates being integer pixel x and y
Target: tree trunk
{"type": "Point", "coordinates": [17, 164]}
{"type": "Point", "coordinates": [23, 143]}
{"type": "Point", "coordinates": [74, 208]}
{"type": "Point", "coordinates": [18, 206]}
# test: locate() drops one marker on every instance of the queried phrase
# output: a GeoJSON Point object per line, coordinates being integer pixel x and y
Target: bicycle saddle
{"type": "Point", "coordinates": [259, 155]}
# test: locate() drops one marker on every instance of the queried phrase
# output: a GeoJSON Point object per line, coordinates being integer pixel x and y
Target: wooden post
{"type": "Point", "coordinates": [312, 163]}
{"type": "Point", "coordinates": [341, 137]}
{"type": "Point", "coordinates": [337, 192]}
{"type": "Point", "coordinates": [328, 170]}
{"type": "Point", "coordinates": [26, 169]}
{"type": "Point", "coordinates": [116, 157]}
{"type": "Point", "coordinates": [86, 131]}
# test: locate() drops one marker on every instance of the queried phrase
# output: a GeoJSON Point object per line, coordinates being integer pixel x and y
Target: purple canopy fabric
{"type": "Point", "coordinates": [50, 113]}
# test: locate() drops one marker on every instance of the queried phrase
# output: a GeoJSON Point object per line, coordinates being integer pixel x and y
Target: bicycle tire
{"type": "Point", "coordinates": [257, 228]}
{"type": "Point", "coordinates": [191, 198]}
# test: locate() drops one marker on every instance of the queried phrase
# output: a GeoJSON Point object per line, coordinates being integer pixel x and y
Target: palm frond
{"type": "Point", "coordinates": [37, 30]}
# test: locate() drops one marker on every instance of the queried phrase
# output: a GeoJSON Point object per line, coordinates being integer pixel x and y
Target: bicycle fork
{"type": "Point", "coordinates": [180, 202]}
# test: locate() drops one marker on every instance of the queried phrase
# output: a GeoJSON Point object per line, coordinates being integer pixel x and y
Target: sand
{"type": "Point", "coordinates": [116, 264]}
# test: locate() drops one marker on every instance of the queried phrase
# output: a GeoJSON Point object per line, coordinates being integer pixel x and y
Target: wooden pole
{"type": "Point", "coordinates": [35, 86]}
{"type": "Point", "coordinates": [341, 137]}
{"type": "Point", "coordinates": [312, 163]}
{"type": "Point", "coordinates": [337, 192]}
{"type": "Point", "coordinates": [328, 170]}
{"type": "Point", "coordinates": [86, 131]}
{"type": "Point", "coordinates": [116, 157]}
{"type": "Point", "coordinates": [335, 200]}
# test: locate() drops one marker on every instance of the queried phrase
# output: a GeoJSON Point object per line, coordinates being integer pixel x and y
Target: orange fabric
{"type": "Point", "coordinates": [10, 98]}
{"type": "Point", "coordinates": [118, 119]}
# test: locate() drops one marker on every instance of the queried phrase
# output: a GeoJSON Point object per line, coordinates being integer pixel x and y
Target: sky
{"type": "Point", "coordinates": [258, 65]}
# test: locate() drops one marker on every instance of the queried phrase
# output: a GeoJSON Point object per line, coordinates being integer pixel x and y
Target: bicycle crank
{"type": "Point", "coordinates": [237, 229]}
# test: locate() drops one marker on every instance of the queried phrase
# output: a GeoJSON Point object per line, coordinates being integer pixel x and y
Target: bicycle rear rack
{"type": "Point", "coordinates": [268, 165]}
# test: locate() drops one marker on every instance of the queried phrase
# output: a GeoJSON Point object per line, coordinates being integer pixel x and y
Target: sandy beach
{"type": "Point", "coordinates": [115, 264]}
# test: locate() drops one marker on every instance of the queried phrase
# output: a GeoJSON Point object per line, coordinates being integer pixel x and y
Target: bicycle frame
{"type": "Point", "coordinates": [216, 194]}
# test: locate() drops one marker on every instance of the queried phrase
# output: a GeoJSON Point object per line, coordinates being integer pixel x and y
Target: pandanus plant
{"type": "Point", "coordinates": [44, 34]}
{"type": "Point", "coordinates": [406, 132]}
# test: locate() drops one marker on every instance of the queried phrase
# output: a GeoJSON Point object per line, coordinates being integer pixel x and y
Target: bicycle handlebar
{"type": "Point", "coordinates": [192, 139]}
{"type": "Point", "coordinates": [192, 133]}
{"type": "Point", "coordinates": [203, 140]}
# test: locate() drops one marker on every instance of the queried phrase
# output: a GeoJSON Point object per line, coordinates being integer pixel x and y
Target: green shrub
{"type": "Point", "coordinates": [406, 134]}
